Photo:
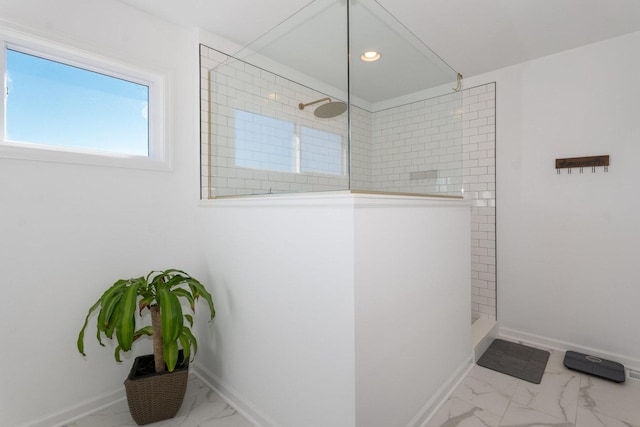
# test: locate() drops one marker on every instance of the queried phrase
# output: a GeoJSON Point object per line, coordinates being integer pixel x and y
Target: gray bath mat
{"type": "Point", "coordinates": [517, 360]}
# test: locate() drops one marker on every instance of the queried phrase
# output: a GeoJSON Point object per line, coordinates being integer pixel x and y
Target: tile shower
{"type": "Point", "coordinates": [479, 176]}
{"type": "Point", "coordinates": [439, 145]}
{"type": "Point", "coordinates": [410, 128]}
{"type": "Point", "coordinates": [411, 148]}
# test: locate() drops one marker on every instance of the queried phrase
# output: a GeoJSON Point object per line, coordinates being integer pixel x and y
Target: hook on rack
{"type": "Point", "coordinates": [582, 162]}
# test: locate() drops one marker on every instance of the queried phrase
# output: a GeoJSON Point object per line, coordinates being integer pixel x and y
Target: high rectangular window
{"type": "Point", "coordinates": [55, 104]}
{"type": "Point", "coordinates": [66, 105]}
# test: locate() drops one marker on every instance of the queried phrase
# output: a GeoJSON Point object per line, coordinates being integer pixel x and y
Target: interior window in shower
{"type": "Point", "coordinates": [322, 152]}
{"type": "Point", "coordinates": [262, 142]}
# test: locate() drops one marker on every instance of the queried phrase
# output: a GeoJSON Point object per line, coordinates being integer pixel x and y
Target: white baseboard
{"type": "Point", "coordinates": [78, 411]}
{"type": "Point", "coordinates": [429, 409]}
{"type": "Point", "coordinates": [553, 344]}
{"type": "Point", "coordinates": [233, 398]}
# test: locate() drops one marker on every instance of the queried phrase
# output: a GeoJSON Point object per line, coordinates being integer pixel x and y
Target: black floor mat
{"type": "Point", "coordinates": [517, 360]}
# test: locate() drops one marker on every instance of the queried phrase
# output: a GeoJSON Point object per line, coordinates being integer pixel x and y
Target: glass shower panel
{"type": "Point", "coordinates": [299, 111]}
{"type": "Point", "coordinates": [278, 120]}
{"type": "Point", "coordinates": [406, 116]}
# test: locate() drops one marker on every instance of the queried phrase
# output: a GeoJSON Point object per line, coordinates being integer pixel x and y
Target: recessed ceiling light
{"type": "Point", "coordinates": [370, 56]}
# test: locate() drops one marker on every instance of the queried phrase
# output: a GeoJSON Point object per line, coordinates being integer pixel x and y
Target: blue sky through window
{"type": "Point", "coordinates": [61, 105]}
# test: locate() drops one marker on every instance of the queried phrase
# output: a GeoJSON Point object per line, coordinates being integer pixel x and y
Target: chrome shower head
{"type": "Point", "coordinates": [328, 110]}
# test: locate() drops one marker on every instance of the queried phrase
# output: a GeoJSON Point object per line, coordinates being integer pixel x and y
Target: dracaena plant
{"type": "Point", "coordinates": [162, 293]}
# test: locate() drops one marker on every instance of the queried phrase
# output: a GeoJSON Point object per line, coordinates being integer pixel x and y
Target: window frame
{"type": "Point", "coordinates": [158, 157]}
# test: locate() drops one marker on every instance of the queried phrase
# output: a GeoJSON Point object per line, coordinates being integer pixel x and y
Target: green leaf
{"type": "Point", "coordinates": [109, 297]}
{"type": "Point", "coordinates": [148, 278]}
{"type": "Point", "coordinates": [84, 326]}
{"type": "Point", "coordinates": [108, 301]}
{"type": "Point", "coordinates": [147, 330]}
{"type": "Point", "coordinates": [174, 280]}
{"type": "Point", "coordinates": [186, 295]}
{"type": "Point", "coordinates": [199, 290]}
{"type": "Point", "coordinates": [113, 323]}
{"type": "Point", "coordinates": [194, 342]}
{"type": "Point", "coordinates": [127, 323]}
{"type": "Point", "coordinates": [170, 353]}
{"type": "Point", "coordinates": [170, 315]}
{"type": "Point", "coordinates": [109, 304]}
{"type": "Point", "coordinates": [189, 319]}
{"type": "Point", "coordinates": [186, 345]}
{"type": "Point", "coordinates": [157, 278]}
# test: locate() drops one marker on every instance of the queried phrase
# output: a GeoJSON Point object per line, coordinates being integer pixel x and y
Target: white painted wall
{"type": "Point", "coordinates": [282, 271]}
{"type": "Point", "coordinates": [283, 340]}
{"type": "Point", "coordinates": [67, 231]}
{"type": "Point", "coordinates": [326, 313]}
{"type": "Point", "coordinates": [568, 244]}
{"type": "Point", "coordinates": [412, 299]}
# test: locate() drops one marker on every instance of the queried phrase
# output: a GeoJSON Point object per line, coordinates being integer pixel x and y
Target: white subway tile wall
{"type": "Point", "coordinates": [417, 147]}
{"type": "Point", "coordinates": [479, 183]}
{"type": "Point", "coordinates": [362, 143]}
{"type": "Point", "coordinates": [441, 145]}
{"type": "Point", "coordinates": [257, 140]}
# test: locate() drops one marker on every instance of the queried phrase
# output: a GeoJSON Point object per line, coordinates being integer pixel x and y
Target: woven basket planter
{"type": "Point", "coordinates": [156, 396]}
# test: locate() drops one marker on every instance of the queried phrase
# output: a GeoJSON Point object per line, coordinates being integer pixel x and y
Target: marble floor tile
{"type": "Point", "coordinates": [487, 389]}
{"type": "Point", "coordinates": [456, 412]}
{"type": "Point", "coordinates": [201, 407]}
{"type": "Point", "coordinates": [520, 415]}
{"type": "Point", "coordinates": [556, 364]}
{"type": "Point", "coordinates": [606, 399]}
{"type": "Point", "coordinates": [484, 398]}
{"type": "Point", "coordinates": [588, 418]}
{"type": "Point", "coordinates": [564, 398]}
{"type": "Point", "coordinates": [556, 395]}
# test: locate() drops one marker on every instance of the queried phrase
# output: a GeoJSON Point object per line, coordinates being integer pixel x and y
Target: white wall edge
{"type": "Point", "coordinates": [232, 397]}
{"type": "Point", "coordinates": [483, 332]}
{"type": "Point", "coordinates": [427, 412]}
{"type": "Point", "coordinates": [554, 344]}
{"type": "Point", "coordinates": [332, 199]}
{"type": "Point", "coordinates": [71, 414]}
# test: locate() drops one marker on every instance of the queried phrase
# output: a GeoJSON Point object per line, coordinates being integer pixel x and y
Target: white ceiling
{"type": "Point", "coordinates": [472, 36]}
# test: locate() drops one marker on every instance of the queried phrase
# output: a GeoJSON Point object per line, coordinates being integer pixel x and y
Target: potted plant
{"type": "Point", "coordinates": [156, 385]}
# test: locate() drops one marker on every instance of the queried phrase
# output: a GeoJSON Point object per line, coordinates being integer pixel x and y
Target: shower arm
{"type": "Point", "coordinates": [301, 105]}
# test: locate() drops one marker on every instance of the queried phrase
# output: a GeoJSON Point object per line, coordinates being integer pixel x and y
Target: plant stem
{"type": "Point", "coordinates": [158, 355]}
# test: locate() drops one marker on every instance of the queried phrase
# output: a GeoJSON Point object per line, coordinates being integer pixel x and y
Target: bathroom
{"type": "Point", "coordinates": [551, 274]}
